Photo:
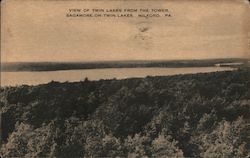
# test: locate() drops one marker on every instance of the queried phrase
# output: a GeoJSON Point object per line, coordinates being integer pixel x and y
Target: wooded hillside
{"type": "Point", "coordinates": [195, 115]}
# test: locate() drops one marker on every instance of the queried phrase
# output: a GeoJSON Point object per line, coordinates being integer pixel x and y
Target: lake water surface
{"type": "Point", "coordinates": [34, 78]}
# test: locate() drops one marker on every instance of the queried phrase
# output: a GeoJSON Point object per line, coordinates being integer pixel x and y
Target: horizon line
{"type": "Point", "coordinates": [128, 60]}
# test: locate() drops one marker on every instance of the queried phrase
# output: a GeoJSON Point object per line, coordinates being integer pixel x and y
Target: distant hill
{"type": "Point", "coordinates": [53, 66]}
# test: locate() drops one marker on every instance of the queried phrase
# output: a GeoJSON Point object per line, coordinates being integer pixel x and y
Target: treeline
{"type": "Point", "coordinates": [199, 115]}
{"type": "Point", "coordinates": [53, 66]}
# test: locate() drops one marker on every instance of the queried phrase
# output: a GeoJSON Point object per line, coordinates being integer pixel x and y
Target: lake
{"type": "Point", "coordinates": [40, 77]}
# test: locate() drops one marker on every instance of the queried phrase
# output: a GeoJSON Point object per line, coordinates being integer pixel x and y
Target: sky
{"type": "Point", "coordinates": [38, 30]}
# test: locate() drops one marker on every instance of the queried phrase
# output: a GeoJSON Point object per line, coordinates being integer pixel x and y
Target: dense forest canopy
{"type": "Point", "coordinates": [206, 114]}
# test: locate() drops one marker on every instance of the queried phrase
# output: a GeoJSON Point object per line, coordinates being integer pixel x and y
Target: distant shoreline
{"type": "Point", "coordinates": [43, 77]}
{"type": "Point", "coordinates": [56, 66]}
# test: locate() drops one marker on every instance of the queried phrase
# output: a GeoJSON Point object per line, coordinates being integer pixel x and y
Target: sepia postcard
{"type": "Point", "coordinates": [125, 78]}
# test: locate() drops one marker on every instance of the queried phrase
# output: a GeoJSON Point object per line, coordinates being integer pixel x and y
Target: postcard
{"type": "Point", "coordinates": [125, 78]}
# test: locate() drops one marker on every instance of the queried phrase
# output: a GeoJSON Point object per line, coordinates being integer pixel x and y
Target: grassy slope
{"type": "Point", "coordinates": [193, 115]}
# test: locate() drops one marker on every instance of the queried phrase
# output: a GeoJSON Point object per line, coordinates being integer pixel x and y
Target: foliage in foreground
{"type": "Point", "coordinates": [205, 115]}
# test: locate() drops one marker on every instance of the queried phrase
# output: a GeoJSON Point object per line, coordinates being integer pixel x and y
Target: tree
{"type": "Point", "coordinates": [163, 146]}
